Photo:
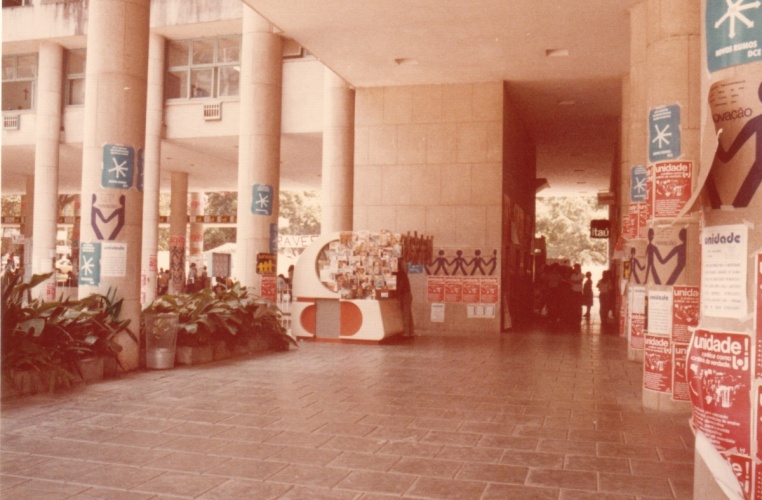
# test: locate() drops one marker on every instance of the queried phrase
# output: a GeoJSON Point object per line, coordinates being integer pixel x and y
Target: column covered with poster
{"type": "Point", "coordinates": [724, 356]}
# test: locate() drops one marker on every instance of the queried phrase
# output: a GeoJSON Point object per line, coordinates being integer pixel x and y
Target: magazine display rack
{"type": "Point", "coordinates": [345, 288]}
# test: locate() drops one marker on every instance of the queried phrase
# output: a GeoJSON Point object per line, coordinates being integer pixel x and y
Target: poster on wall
{"type": "Point", "coordinates": [453, 289]}
{"type": "Point", "coordinates": [733, 33]}
{"type": "Point", "coordinates": [664, 133]}
{"type": "Point", "coordinates": [660, 312]}
{"type": "Point", "coordinates": [673, 182]}
{"type": "Point", "coordinates": [435, 288]}
{"type": "Point", "coordinates": [657, 363]}
{"type": "Point", "coordinates": [489, 290]}
{"type": "Point", "coordinates": [719, 378]}
{"type": "Point", "coordinates": [758, 312]}
{"type": "Point", "coordinates": [736, 109]}
{"type": "Point", "coordinates": [637, 313]}
{"type": "Point", "coordinates": [685, 312]}
{"type": "Point", "coordinates": [471, 290]}
{"type": "Point", "coordinates": [723, 271]}
{"type": "Point", "coordinates": [680, 390]}
{"type": "Point", "coordinates": [638, 184]}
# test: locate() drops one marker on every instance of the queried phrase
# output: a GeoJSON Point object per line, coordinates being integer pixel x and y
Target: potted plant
{"type": "Point", "coordinates": [44, 344]}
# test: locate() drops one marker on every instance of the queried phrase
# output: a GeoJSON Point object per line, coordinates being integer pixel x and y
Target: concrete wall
{"type": "Point", "coordinates": [429, 159]}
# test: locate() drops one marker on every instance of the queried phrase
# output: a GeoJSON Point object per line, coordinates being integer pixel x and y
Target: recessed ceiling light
{"type": "Point", "coordinates": [406, 61]}
{"type": "Point", "coordinates": [557, 52]}
{"type": "Point", "coordinates": [567, 102]}
{"type": "Point", "coordinates": [581, 182]}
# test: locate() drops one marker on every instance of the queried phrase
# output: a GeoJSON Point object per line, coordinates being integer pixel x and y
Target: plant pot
{"type": "Point", "coordinates": [91, 369]}
{"type": "Point", "coordinates": [194, 355]}
{"type": "Point", "coordinates": [161, 339]}
{"type": "Point", "coordinates": [221, 350]}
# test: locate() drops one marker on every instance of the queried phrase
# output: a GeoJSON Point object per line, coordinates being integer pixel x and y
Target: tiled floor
{"type": "Point", "coordinates": [531, 415]}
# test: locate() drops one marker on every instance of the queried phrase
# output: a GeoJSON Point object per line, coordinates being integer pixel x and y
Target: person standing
{"type": "Point", "coordinates": [604, 295]}
{"type": "Point", "coordinates": [576, 279]}
{"type": "Point", "coordinates": [587, 293]}
{"type": "Point", "coordinates": [405, 296]}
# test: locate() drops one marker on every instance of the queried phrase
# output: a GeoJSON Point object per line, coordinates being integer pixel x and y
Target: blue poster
{"type": "Point", "coordinates": [638, 187]}
{"type": "Point", "coordinates": [733, 32]}
{"type": "Point", "coordinates": [262, 199]}
{"type": "Point", "coordinates": [118, 166]}
{"type": "Point", "coordinates": [274, 237]}
{"type": "Point", "coordinates": [90, 264]}
{"type": "Point", "coordinates": [664, 133]}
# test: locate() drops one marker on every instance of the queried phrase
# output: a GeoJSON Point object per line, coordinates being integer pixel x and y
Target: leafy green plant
{"type": "Point", "coordinates": [228, 315]}
{"type": "Point", "coordinates": [50, 338]}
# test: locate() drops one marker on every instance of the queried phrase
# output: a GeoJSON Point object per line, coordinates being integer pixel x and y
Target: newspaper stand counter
{"type": "Point", "coordinates": [335, 269]}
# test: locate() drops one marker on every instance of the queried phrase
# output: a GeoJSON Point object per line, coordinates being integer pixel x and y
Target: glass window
{"type": "Point", "coordinates": [76, 61]}
{"type": "Point", "coordinates": [176, 86]}
{"type": "Point", "coordinates": [26, 67]}
{"type": "Point", "coordinates": [203, 52]}
{"type": "Point", "coordinates": [9, 68]}
{"type": "Point", "coordinates": [178, 54]}
{"type": "Point", "coordinates": [203, 68]}
{"type": "Point", "coordinates": [229, 50]}
{"type": "Point", "coordinates": [19, 81]}
{"type": "Point", "coordinates": [201, 82]}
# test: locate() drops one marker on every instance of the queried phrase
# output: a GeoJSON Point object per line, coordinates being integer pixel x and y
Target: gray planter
{"type": "Point", "coordinates": [161, 340]}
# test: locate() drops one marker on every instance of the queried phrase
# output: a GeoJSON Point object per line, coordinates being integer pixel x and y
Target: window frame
{"type": "Point", "coordinates": [185, 73]}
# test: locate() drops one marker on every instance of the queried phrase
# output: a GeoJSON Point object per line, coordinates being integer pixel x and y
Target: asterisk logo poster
{"type": "Point", "coordinates": [733, 32]}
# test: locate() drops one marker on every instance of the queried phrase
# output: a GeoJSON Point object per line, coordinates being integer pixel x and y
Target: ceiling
{"type": "Point", "coordinates": [563, 61]}
{"type": "Point", "coordinates": [571, 103]}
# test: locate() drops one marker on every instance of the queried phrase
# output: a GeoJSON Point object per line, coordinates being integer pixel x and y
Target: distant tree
{"type": "Point", "coordinates": [221, 203]}
{"type": "Point", "coordinates": [565, 223]}
{"type": "Point", "coordinates": [302, 210]}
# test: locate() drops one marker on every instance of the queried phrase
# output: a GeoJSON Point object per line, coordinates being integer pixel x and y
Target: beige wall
{"type": "Point", "coordinates": [430, 159]}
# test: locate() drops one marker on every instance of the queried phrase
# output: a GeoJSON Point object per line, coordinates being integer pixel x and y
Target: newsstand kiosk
{"type": "Point", "coordinates": [344, 288]}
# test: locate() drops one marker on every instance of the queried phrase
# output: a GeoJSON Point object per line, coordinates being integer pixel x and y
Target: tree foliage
{"type": "Point", "coordinates": [565, 223]}
{"type": "Point", "coordinates": [221, 203]}
{"type": "Point", "coordinates": [302, 210]}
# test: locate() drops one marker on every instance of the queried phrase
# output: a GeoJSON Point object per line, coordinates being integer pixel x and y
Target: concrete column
{"type": "Point", "coordinates": [673, 60]}
{"type": "Point", "coordinates": [152, 169]}
{"type": "Point", "coordinates": [196, 233]}
{"type": "Point", "coordinates": [27, 227]}
{"type": "Point", "coordinates": [178, 226]}
{"type": "Point", "coordinates": [258, 147]}
{"type": "Point", "coordinates": [338, 154]}
{"type": "Point", "coordinates": [47, 137]}
{"type": "Point", "coordinates": [113, 135]}
{"type": "Point", "coordinates": [637, 146]}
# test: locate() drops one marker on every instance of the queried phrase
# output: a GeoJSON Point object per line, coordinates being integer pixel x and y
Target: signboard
{"type": "Point", "coordinates": [90, 264]}
{"type": "Point", "coordinates": [118, 166]}
{"type": "Point", "coordinates": [435, 289]}
{"type": "Point", "coordinates": [657, 364]}
{"type": "Point", "coordinates": [673, 183]}
{"type": "Point", "coordinates": [638, 184]}
{"type": "Point", "coordinates": [664, 133]}
{"type": "Point", "coordinates": [600, 228]}
{"type": "Point", "coordinates": [733, 33]}
{"type": "Point", "coordinates": [266, 263]}
{"type": "Point", "coordinates": [262, 199]}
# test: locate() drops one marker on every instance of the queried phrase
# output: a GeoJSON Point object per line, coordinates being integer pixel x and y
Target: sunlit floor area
{"type": "Point", "coordinates": [540, 414]}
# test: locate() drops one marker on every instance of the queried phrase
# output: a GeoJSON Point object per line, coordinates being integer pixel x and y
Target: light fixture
{"type": "Point", "coordinates": [567, 102]}
{"type": "Point", "coordinates": [406, 61]}
{"type": "Point", "coordinates": [557, 52]}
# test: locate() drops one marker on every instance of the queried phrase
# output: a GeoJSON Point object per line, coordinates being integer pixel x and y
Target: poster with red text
{"type": "Point", "coordinates": [657, 363]}
{"type": "Point", "coordinates": [680, 372]}
{"type": "Point", "coordinates": [489, 290]}
{"type": "Point", "coordinates": [673, 182]}
{"type": "Point", "coordinates": [471, 290]}
{"type": "Point", "coordinates": [719, 379]}
{"type": "Point", "coordinates": [685, 311]}
{"type": "Point", "coordinates": [269, 287]}
{"type": "Point", "coordinates": [453, 289]}
{"type": "Point", "coordinates": [758, 312]}
{"type": "Point", "coordinates": [435, 288]}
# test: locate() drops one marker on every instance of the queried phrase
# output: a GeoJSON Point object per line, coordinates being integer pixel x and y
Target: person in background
{"type": "Point", "coordinates": [405, 296]}
{"type": "Point", "coordinates": [204, 280]}
{"type": "Point", "coordinates": [290, 282]}
{"type": "Point", "coordinates": [587, 293]}
{"type": "Point", "coordinates": [576, 279]}
{"type": "Point", "coordinates": [192, 277]}
{"type": "Point", "coordinates": [604, 295]}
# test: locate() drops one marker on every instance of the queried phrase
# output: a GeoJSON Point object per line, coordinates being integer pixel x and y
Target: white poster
{"type": "Point", "coordinates": [659, 312]}
{"type": "Point", "coordinates": [437, 313]}
{"type": "Point", "coordinates": [723, 270]}
{"type": "Point", "coordinates": [114, 259]}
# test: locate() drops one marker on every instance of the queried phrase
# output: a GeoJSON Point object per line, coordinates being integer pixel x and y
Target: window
{"type": "Point", "coordinates": [206, 67]}
{"type": "Point", "coordinates": [75, 77]}
{"type": "Point", "coordinates": [19, 81]}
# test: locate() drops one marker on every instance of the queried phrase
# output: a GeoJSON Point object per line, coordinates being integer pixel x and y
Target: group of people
{"type": "Point", "coordinates": [195, 281]}
{"type": "Point", "coordinates": [565, 294]}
